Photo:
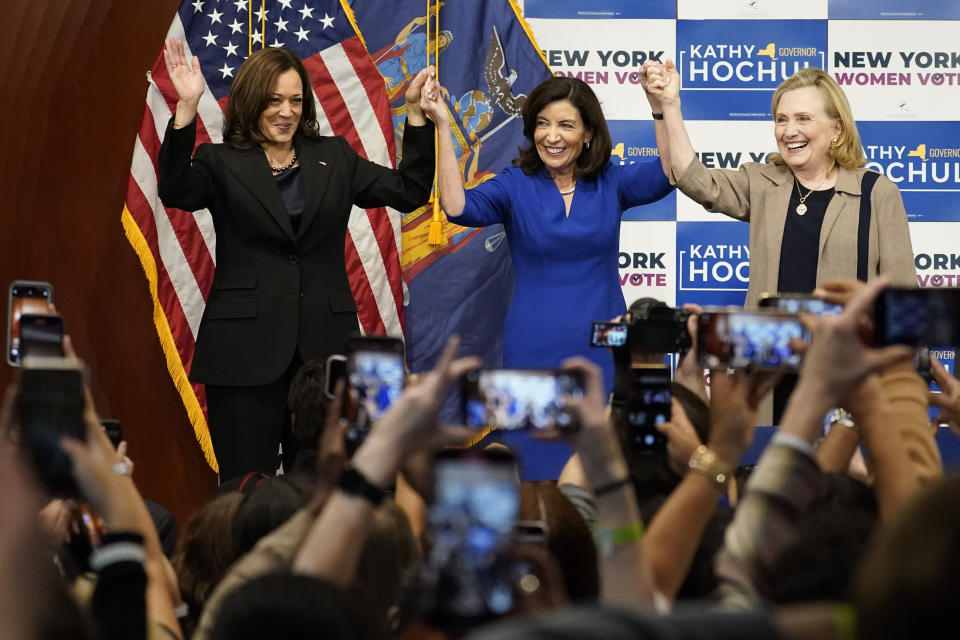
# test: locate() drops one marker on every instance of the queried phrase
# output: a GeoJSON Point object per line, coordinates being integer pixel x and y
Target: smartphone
{"type": "Point", "coordinates": [25, 296]}
{"type": "Point", "coordinates": [661, 329]}
{"type": "Point", "coordinates": [41, 334]}
{"type": "Point", "coordinates": [51, 402]}
{"type": "Point", "coordinates": [375, 375]}
{"type": "Point", "coordinates": [334, 371]}
{"type": "Point", "coordinates": [648, 405]}
{"type": "Point", "coordinates": [513, 399]}
{"type": "Point", "coordinates": [918, 317]}
{"type": "Point", "coordinates": [113, 429]}
{"type": "Point", "coordinates": [797, 302]}
{"type": "Point", "coordinates": [608, 334]}
{"type": "Point", "coordinates": [737, 339]}
{"type": "Point", "coordinates": [467, 573]}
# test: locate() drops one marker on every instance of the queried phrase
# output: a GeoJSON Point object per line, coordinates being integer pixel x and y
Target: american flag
{"type": "Point", "coordinates": [178, 249]}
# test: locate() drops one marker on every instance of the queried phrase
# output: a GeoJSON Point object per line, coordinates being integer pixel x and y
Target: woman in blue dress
{"type": "Point", "coordinates": [560, 205]}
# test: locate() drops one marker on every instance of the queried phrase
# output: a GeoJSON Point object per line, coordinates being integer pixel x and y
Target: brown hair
{"type": "Point", "coordinates": [847, 151]}
{"type": "Point", "coordinates": [910, 573]}
{"type": "Point", "coordinates": [205, 550]}
{"type": "Point", "coordinates": [591, 160]}
{"type": "Point", "coordinates": [568, 537]}
{"type": "Point", "coordinates": [250, 94]}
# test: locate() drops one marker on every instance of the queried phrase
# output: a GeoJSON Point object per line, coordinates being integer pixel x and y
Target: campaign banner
{"type": "Point", "coordinates": [936, 254]}
{"type": "Point", "coordinates": [923, 160]}
{"type": "Point", "coordinates": [635, 141]}
{"type": "Point", "coordinates": [713, 263]}
{"type": "Point", "coordinates": [725, 145]}
{"type": "Point", "coordinates": [606, 55]}
{"type": "Point", "coordinates": [894, 70]}
{"type": "Point", "coordinates": [646, 260]}
{"type": "Point", "coordinates": [751, 10]}
{"type": "Point", "coordinates": [894, 10]}
{"type": "Point", "coordinates": [728, 68]}
{"type": "Point", "coordinates": [599, 9]}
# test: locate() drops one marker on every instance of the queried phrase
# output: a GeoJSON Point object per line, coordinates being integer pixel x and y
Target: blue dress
{"type": "Point", "coordinates": [565, 268]}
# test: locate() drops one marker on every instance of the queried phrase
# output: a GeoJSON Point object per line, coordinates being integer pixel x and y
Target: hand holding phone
{"type": "Point", "coordinates": [375, 377]}
{"type": "Point", "coordinates": [24, 297]}
{"type": "Point", "coordinates": [608, 334]}
{"type": "Point", "coordinates": [41, 335]}
{"type": "Point", "coordinates": [466, 575]}
{"type": "Point", "coordinates": [840, 356]}
{"type": "Point", "coordinates": [648, 405]}
{"type": "Point", "coordinates": [918, 317]}
{"type": "Point", "coordinates": [51, 404]}
{"type": "Point", "coordinates": [738, 339]}
{"type": "Point", "coordinates": [515, 399]}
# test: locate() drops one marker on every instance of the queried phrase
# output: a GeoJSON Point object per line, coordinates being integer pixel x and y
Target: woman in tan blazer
{"type": "Point", "coordinates": [804, 208]}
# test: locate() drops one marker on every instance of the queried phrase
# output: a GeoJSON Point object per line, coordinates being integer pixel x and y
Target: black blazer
{"type": "Point", "coordinates": [275, 290]}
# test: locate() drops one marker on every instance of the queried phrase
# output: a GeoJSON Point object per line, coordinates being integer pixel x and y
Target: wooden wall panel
{"type": "Point", "coordinates": [72, 75]}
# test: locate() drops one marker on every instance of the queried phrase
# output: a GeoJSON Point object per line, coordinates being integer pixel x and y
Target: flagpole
{"type": "Point", "coordinates": [435, 237]}
{"type": "Point", "coordinates": [497, 128]}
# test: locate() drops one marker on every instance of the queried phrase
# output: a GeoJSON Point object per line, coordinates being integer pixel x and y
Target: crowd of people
{"type": "Point", "coordinates": [416, 536]}
{"type": "Point", "coordinates": [420, 531]}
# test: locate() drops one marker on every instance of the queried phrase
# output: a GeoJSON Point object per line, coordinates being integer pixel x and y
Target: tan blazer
{"type": "Point", "coordinates": [760, 194]}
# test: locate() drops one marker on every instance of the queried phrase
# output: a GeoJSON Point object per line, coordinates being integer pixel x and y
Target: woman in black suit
{"type": "Point", "coordinates": [280, 195]}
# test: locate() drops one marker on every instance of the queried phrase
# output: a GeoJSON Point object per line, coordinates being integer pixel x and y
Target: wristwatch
{"type": "Point", "coordinates": [842, 418]}
{"type": "Point", "coordinates": [706, 463]}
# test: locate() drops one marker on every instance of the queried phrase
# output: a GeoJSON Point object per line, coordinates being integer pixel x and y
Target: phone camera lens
{"type": "Point", "coordinates": [649, 439]}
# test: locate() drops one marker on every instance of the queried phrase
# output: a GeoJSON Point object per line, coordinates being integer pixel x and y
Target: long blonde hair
{"type": "Point", "coordinates": [847, 151]}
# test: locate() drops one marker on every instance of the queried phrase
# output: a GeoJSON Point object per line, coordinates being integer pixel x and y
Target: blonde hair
{"type": "Point", "coordinates": [847, 151]}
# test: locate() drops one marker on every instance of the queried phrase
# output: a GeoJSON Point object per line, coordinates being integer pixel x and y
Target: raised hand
{"type": "Point", "coordinates": [431, 100]}
{"type": "Point", "coordinates": [410, 425]}
{"type": "Point", "coordinates": [412, 96]}
{"type": "Point", "coordinates": [102, 474]}
{"type": "Point", "coordinates": [186, 78]}
{"type": "Point", "coordinates": [840, 356]}
{"type": "Point", "coordinates": [734, 400]}
{"type": "Point", "coordinates": [663, 82]}
{"type": "Point", "coordinates": [682, 439]}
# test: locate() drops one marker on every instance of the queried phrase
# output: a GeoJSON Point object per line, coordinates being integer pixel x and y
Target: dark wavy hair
{"type": "Point", "coordinates": [591, 160]}
{"type": "Point", "coordinates": [250, 95]}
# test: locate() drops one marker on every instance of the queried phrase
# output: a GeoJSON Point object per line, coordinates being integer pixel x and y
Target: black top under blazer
{"type": "Point", "coordinates": [275, 290]}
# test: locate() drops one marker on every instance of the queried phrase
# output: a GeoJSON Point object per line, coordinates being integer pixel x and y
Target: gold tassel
{"type": "Point", "coordinates": [436, 239]}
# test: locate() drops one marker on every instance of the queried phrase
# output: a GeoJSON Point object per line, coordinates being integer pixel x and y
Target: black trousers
{"type": "Point", "coordinates": [248, 424]}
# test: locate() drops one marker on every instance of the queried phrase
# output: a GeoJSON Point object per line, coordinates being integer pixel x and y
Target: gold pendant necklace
{"type": "Point", "coordinates": [802, 208]}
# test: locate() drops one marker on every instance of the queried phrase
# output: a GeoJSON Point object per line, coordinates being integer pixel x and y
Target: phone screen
{"type": "Point", "coordinates": [25, 298]}
{"type": "Point", "coordinates": [41, 335]}
{"type": "Point", "coordinates": [513, 399]}
{"type": "Point", "coordinates": [51, 403]}
{"type": "Point", "coordinates": [919, 317]}
{"type": "Point", "coordinates": [796, 304]}
{"type": "Point", "coordinates": [648, 406]}
{"type": "Point", "coordinates": [336, 370]}
{"type": "Point", "coordinates": [113, 429]}
{"type": "Point", "coordinates": [739, 339]}
{"type": "Point", "coordinates": [375, 375]}
{"type": "Point", "coordinates": [471, 525]}
{"type": "Point", "coordinates": [608, 334]}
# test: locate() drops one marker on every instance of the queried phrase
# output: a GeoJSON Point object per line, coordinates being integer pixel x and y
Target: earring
{"type": "Point", "coordinates": [835, 140]}
{"type": "Point", "coordinates": [587, 144]}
